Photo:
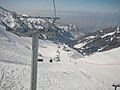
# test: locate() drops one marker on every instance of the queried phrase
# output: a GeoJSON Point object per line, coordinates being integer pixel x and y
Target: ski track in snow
{"type": "Point", "coordinates": [113, 64]}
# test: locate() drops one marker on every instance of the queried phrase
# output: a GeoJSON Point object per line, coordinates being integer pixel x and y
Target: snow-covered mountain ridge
{"type": "Point", "coordinates": [99, 41]}
{"type": "Point", "coordinates": [58, 33]}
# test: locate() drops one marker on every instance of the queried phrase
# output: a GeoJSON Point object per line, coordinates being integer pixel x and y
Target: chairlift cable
{"type": "Point", "coordinates": [54, 22]}
{"type": "Point", "coordinates": [54, 7]}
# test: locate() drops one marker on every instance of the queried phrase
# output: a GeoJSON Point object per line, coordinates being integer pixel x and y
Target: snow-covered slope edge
{"type": "Point", "coordinates": [108, 57]}
{"type": "Point", "coordinates": [104, 66]}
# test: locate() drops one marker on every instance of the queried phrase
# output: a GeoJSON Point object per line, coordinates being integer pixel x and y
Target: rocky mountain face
{"type": "Point", "coordinates": [99, 41]}
{"type": "Point", "coordinates": [24, 26]}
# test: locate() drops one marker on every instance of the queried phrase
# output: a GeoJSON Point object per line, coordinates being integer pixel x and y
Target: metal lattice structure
{"type": "Point", "coordinates": [34, 60]}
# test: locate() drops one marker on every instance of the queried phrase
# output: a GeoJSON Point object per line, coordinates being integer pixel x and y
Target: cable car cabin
{"type": "Point", "coordinates": [40, 58]}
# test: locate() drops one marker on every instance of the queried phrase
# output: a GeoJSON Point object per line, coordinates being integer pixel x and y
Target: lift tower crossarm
{"type": "Point", "coordinates": [37, 17]}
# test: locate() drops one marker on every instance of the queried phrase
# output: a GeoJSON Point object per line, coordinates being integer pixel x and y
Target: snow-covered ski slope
{"type": "Point", "coordinates": [73, 72]}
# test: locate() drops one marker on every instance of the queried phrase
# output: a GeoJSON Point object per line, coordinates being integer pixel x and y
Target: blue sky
{"type": "Point", "coordinates": [85, 13]}
{"type": "Point", "coordinates": [71, 5]}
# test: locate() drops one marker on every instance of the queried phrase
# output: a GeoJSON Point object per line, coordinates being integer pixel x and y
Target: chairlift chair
{"type": "Point", "coordinates": [40, 58]}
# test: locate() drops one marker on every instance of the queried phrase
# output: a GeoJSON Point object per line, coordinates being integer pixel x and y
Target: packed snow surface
{"type": "Point", "coordinates": [72, 72]}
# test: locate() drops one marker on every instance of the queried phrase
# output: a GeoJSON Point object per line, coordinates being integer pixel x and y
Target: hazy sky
{"type": "Point", "coordinates": [72, 5]}
{"type": "Point", "coordinates": [84, 13]}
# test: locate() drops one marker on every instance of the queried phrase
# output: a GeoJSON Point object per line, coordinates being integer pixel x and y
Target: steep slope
{"type": "Point", "coordinates": [6, 18]}
{"type": "Point", "coordinates": [100, 41]}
